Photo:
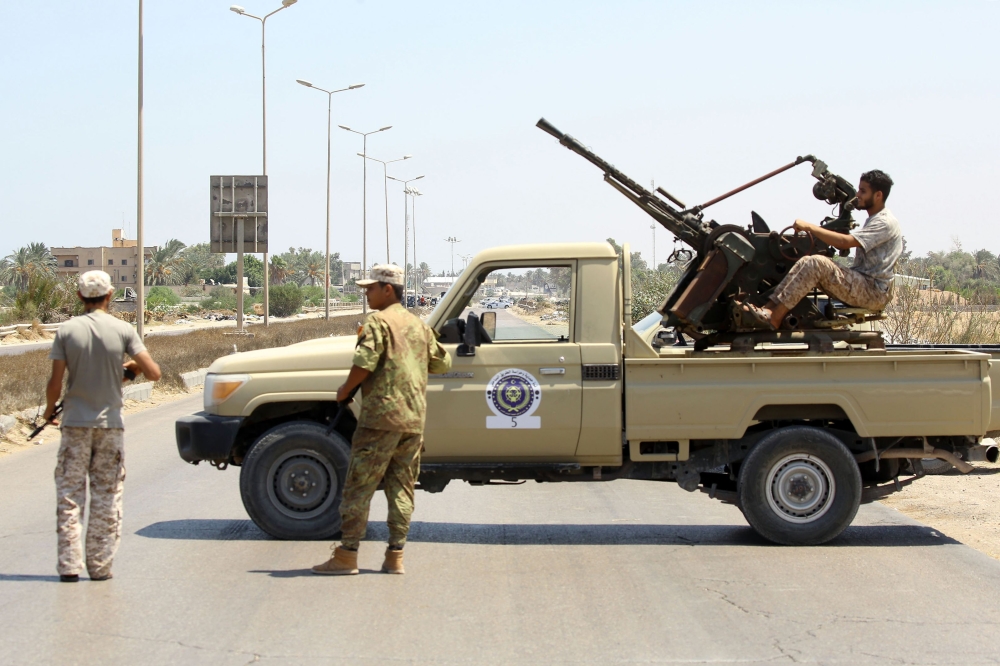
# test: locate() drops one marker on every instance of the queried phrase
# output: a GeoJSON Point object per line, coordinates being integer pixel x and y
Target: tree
{"type": "Point", "coordinates": [166, 265]}
{"type": "Point", "coordinates": [199, 261]}
{"type": "Point", "coordinates": [32, 261]}
{"type": "Point", "coordinates": [280, 270]}
{"type": "Point", "coordinates": [286, 299]}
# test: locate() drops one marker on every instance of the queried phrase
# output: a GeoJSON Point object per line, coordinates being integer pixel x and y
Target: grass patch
{"type": "Point", "coordinates": [23, 376]}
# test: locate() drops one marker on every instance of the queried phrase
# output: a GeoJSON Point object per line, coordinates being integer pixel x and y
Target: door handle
{"type": "Point", "coordinates": [552, 371]}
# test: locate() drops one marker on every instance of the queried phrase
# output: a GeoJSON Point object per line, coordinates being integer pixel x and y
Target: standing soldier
{"type": "Point", "coordinates": [92, 347]}
{"type": "Point", "coordinates": [394, 354]}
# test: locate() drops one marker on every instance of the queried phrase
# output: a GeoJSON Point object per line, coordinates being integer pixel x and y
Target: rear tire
{"type": "Point", "coordinates": [292, 481]}
{"type": "Point", "coordinates": [800, 486]}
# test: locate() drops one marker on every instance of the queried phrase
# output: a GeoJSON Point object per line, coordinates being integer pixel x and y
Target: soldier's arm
{"type": "Point", "coordinates": [440, 360]}
{"type": "Point", "coordinates": [54, 388]}
{"type": "Point", "coordinates": [831, 238]}
{"type": "Point", "coordinates": [144, 364]}
{"type": "Point", "coordinates": [354, 379]}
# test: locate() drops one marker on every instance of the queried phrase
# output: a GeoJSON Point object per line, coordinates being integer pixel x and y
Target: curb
{"type": "Point", "coordinates": [138, 392]}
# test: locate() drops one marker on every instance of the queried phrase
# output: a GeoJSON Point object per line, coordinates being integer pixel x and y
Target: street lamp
{"type": "Point", "coordinates": [285, 4]}
{"type": "Point", "coordinates": [364, 205]}
{"type": "Point", "coordinates": [329, 98]}
{"type": "Point", "coordinates": [140, 292]}
{"type": "Point", "coordinates": [406, 231]}
{"type": "Point", "coordinates": [414, 193]}
{"type": "Point", "coordinates": [385, 189]}
{"type": "Point", "coordinates": [452, 240]}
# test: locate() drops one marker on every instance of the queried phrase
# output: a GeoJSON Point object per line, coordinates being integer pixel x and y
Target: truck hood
{"type": "Point", "coordinates": [321, 354]}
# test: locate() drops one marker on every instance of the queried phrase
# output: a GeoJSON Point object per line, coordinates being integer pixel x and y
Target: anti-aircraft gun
{"type": "Point", "coordinates": [732, 265]}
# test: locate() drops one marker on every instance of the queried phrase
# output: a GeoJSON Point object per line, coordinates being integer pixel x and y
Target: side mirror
{"type": "Point", "coordinates": [489, 323]}
{"type": "Point", "coordinates": [473, 336]}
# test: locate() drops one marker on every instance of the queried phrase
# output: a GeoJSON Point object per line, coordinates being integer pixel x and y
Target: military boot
{"type": "Point", "coordinates": [393, 563]}
{"type": "Point", "coordinates": [343, 563]}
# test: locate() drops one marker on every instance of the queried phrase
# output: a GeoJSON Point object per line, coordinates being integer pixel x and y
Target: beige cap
{"type": "Point", "coordinates": [94, 284]}
{"type": "Point", "coordinates": [388, 273]}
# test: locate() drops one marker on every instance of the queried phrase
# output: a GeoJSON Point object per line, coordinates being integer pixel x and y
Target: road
{"type": "Point", "coordinates": [627, 571]}
{"type": "Point", "coordinates": [512, 327]}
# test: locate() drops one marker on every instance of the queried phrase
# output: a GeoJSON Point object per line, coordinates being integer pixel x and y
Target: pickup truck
{"type": "Point", "coordinates": [796, 437]}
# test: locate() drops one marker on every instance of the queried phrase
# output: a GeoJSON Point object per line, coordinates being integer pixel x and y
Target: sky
{"type": "Point", "coordinates": [696, 96]}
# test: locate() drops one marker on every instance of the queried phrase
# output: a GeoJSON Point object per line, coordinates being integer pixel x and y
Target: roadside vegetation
{"type": "Point", "coordinates": [23, 376]}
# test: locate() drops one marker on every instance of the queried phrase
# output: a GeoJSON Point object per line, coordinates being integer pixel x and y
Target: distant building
{"type": "Point", "coordinates": [120, 260]}
{"type": "Point", "coordinates": [911, 281]}
{"type": "Point", "coordinates": [436, 282]}
{"type": "Point", "coordinates": [352, 271]}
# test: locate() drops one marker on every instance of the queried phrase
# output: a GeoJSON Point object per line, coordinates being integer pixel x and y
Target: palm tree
{"type": "Point", "coordinates": [26, 264]}
{"type": "Point", "coordinates": [166, 264]}
{"type": "Point", "coordinates": [280, 271]}
{"type": "Point", "coordinates": [984, 264]}
{"type": "Point", "coordinates": [312, 271]}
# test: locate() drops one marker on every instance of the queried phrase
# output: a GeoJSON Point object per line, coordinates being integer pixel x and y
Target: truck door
{"type": "Point", "coordinates": [519, 397]}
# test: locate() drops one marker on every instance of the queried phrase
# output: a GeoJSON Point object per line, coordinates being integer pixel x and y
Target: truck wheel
{"type": "Point", "coordinates": [799, 486]}
{"type": "Point", "coordinates": [292, 481]}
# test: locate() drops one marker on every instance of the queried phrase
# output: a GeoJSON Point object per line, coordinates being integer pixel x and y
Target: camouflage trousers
{"type": "Point", "coordinates": [100, 454]}
{"type": "Point", "coordinates": [377, 456]}
{"type": "Point", "coordinates": [844, 284]}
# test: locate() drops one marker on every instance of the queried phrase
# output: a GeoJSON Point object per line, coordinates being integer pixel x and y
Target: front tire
{"type": "Point", "coordinates": [292, 481]}
{"type": "Point", "coordinates": [800, 486]}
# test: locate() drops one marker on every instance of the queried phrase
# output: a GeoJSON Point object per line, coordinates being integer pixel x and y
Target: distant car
{"type": "Point", "coordinates": [497, 304]}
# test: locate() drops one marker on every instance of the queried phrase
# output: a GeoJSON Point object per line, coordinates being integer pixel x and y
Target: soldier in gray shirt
{"type": "Point", "coordinates": [92, 348]}
{"type": "Point", "coordinates": [878, 245]}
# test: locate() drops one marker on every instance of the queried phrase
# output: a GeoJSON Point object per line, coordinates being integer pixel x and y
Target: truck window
{"type": "Point", "coordinates": [531, 303]}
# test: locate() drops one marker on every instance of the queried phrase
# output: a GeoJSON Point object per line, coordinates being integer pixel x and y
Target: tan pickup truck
{"type": "Point", "coordinates": [560, 387]}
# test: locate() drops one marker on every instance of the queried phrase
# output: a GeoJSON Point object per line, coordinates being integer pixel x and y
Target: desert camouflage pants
{"type": "Point", "coordinates": [100, 454]}
{"type": "Point", "coordinates": [378, 455]}
{"type": "Point", "coordinates": [847, 286]}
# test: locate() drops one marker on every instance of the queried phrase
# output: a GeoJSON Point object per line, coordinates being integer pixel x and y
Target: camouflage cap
{"type": "Point", "coordinates": [387, 273]}
{"type": "Point", "coordinates": [94, 284]}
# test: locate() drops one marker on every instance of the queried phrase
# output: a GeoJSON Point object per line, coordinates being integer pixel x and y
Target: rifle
{"type": "Point", "coordinates": [57, 410]}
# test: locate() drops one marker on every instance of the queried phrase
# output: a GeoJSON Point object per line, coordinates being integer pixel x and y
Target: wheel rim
{"type": "Point", "coordinates": [301, 484]}
{"type": "Point", "coordinates": [800, 488]}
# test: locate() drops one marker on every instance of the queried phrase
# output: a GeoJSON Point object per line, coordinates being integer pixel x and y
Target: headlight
{"type": "Point", "coordinates": [218, 388]}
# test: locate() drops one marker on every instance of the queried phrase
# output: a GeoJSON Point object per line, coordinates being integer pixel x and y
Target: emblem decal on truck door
{"type": "Point", "coordinates": [513, 395]}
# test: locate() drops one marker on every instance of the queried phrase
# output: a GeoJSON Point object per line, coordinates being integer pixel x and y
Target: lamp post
{"type": "Point", "coordinates": [406, 231]}
{"type": "Point", "coordinates": [364, 205]}
{"type": "Point", "coordinates": [140, 292]}
{"type": "Point", "coordinates": [329, 102]}
{"type": "Point", "coordinates": [385, 191]}
{"type": "Point", "coordinates": [285, 4]}
{"type": "Point", "coordinates": [452, 240]}
{"type": "Point", "coordinates": [414, 193]}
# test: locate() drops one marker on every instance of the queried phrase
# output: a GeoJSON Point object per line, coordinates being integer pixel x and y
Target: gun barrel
{"type": "Point", "coordinates": [685, 227]}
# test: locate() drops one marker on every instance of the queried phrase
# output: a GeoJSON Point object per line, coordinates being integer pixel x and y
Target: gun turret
{"type": "Point", "coordinates": [732, 263]}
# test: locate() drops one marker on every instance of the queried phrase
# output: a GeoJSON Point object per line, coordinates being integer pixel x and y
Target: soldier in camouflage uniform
{"type": "Point", "coordinates": [92, 347]}
{"type": "Point", "coordinates": [394, 354]}
{"type": "Point", "coordinates": [878, 245]}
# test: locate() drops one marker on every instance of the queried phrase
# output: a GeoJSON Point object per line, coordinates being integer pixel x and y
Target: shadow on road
{"type": "Point", "coordinates": [28, 578]}
{"type": "Point", "coordinates": [562, 535]}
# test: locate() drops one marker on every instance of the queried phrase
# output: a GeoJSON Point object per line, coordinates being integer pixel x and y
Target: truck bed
{"type": "Point", "coordinates": [907, 391]}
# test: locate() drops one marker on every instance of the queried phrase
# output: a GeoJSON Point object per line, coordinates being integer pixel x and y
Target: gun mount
{"type": "Point", "coordinates": [733, 264]}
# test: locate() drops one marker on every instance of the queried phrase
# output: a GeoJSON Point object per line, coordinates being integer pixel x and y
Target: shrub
{"type": "Point", "coordinates": [161, 296]}
{"type": "Point", "coordinates": [220, 298]}
{"type": "Point", "coordinates": [313, 295]}
{"type": "Point", "coordinates": [286, 299]}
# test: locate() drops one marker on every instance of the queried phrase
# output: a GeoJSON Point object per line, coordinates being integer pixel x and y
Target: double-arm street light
{"type": "Point", "coordinates": [285, 4]}
{"type": "Point", "coordinates": [364, 205]}
{"type": "Point", "coordinates": [452, 240]}
{"type": "Point", "coordinates": [329, 98]}
{"type": "Point", "coordinates": [407, 191]}
{"type": "Point", "coordinates": [385, 189]}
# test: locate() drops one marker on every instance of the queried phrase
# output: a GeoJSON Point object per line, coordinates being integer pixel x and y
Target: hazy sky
{"type": "Point", "coordinates": [700, 96]}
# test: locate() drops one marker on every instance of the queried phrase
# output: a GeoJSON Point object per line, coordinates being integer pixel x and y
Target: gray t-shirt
{"type": "Point", "coordinates": [881, 242]}
{"type": "Point", "coordinates": [94, 346]}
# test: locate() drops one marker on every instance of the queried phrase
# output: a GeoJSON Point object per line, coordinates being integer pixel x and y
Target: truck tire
{"type": "Point", "coordinates": [800, 486]}
{"type": "Point", "coordinates": [292, 481]}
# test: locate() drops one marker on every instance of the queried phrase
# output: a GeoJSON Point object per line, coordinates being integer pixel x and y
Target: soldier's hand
{"type": "Point", "coordinates": [47, 415]}
{"type": "Point", "coordinates": [344, 394]}
{"type": "Point", "coordinates": [802, 225]}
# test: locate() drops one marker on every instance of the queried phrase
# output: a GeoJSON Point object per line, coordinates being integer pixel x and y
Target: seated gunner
{"type": "Point", "coordinates": [879, 244]}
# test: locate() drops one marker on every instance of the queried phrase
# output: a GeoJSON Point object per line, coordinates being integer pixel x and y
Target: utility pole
{"type": "Point", "coordinates": [452, 240]}
{"type": "Point", "coordinates": [140, 238]}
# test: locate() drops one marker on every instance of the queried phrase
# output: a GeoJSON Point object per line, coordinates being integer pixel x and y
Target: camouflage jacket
{"type": "Point", "coordinates": [399, 350]}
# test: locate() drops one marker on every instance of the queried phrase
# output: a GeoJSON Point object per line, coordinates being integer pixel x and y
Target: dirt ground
{"type": "Point", "coordinates": [17, 439]}
{"type": "Point", "coordinates": [965, 507]}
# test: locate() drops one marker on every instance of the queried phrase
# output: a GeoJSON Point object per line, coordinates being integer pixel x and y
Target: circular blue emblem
{"type": "Point", "coordinates": [512, 394]}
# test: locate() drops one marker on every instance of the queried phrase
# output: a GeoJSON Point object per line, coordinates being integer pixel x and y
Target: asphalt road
{"type": "Point", "coordinates": [627, 571]}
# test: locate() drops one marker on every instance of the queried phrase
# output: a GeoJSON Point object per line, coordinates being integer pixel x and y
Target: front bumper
{"type": "Point", "coordinates": [204, 436]}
